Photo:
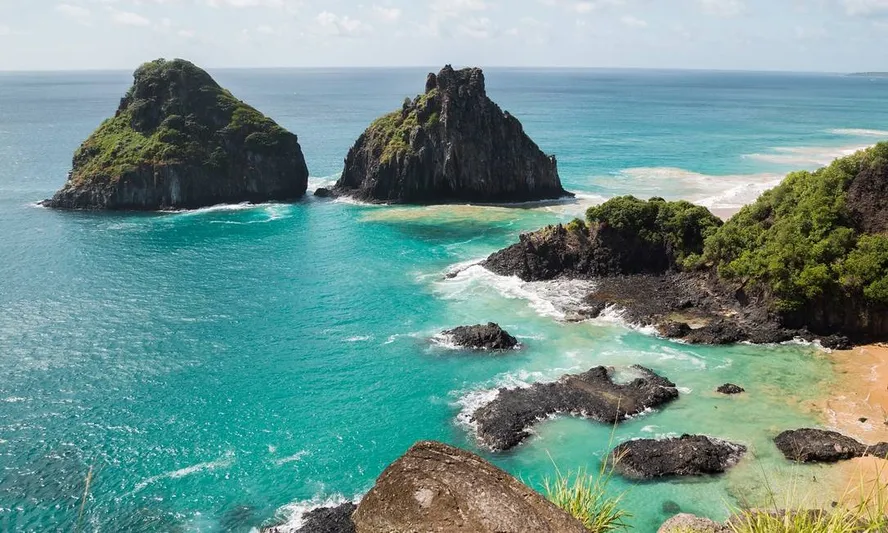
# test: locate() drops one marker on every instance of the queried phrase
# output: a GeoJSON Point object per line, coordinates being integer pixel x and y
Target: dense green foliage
{"type": "Point", "coordinates": [798, 241]}
{"type": "Point", "coordinates": [681, 227]}
{"type": "Point", "coordinates": [174, 113]}
{"type": "Point", "coordinates": [391, 132]}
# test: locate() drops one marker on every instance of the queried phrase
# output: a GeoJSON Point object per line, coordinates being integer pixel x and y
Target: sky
{"type": "Point", "coordinates": [789, 35]}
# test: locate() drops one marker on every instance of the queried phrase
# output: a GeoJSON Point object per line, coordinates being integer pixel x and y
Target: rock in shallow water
{"type": "Point", "coordinates": [482, 337]}
{"type": "Point", "coordinates": [325, 520]}
{"type": "Point", "coordinates": [730, 388]}
{"type": "Point", "coordinates": [438, 488]}
{"type": "Point", "coordinates": [690, 455]}
{"type": "Point", "coordinates": [451, 143]}
{"type": "Point", "coordinates": [821, 446]}
{"type": "Point", "coordinates": [505, 422]}
{"type": "Point", "coordinates": [688, 523]}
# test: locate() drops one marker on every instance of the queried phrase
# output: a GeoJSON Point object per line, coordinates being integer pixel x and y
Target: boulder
{"type": "Point", "coordinates": [324, 520]}
{"type": "Point", "coordinates": [505, 422]}
{"type": "Point", "coordinates": [689, 455]}
{"type": "Point", "coordinates": [730, 388]}
{"type": "Point", "coordinates": [179, 140]}
{"type": "Point", "coordinates": [818, 446]}
{"type": "Point", "coordinates": [450, 144]}
{"type": "Point", "coordinates": [481, 337]}
{"type": "Point", "coordinates": [688, 523]}
{"type": "Point", "coordinates": [323, 192]}
{"type": "Point", "coordinates": [441, 489]}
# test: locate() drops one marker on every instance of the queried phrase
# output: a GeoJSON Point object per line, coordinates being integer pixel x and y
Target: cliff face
{"type": "Point", "coordinates": [451, 143]}
{"type": "Point", "coordinates": [179, 140]}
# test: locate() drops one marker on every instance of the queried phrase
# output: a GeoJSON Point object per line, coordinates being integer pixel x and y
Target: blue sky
{"type": "Point", "coordinates": [801, 35]}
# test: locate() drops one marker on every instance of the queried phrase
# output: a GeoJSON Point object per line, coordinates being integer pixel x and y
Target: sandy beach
{"type": "Point", "coordinates": [858, 407]}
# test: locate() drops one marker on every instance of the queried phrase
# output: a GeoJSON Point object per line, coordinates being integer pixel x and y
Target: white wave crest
{"type": "Point", "coordinates": [559, 299]}
{"type": "Point", "coordinates": [223, 462]}
{"type": "Point", "coordinates": [859, 132]}
{"type": "Point", "coordinates": [805, 156]}
{"type": "Point", "coordinates": [360, 338]}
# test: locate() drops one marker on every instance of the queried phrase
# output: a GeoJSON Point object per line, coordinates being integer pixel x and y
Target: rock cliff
{"type": "Point", "coordinates": [450, 144]}
{"type": "Point", "coordinates": [179, 140]}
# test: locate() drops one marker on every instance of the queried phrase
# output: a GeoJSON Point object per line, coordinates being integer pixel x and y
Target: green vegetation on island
{"type": "Point", "coordinates": [680, 227]}
{"type": "Point", "coordinates": [799, 241]}
{"type": "Point", "coordinates": [393, 131]}
{"type": "Point", "coordinates": [157, 126]}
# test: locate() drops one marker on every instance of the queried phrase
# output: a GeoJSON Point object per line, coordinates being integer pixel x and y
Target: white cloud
{"type": "Point", "coordinates": [388, 14]}
{"type": "Point", "coordinates": [477, 28]}
{"type": "Point", "coordinates": [723, 8]}
{"type": "Point", "coordinates": [865, 7]}
{"type": "Point", "coordinates": [5, 30]}
{"type": "Point", "coordinates": [345, 26]}
{"type": "Point", "coordinates": [186, 34]}
{"type": "Point", "coordinates": [78, 13]}
{"type": "Point", "coordinates": [265, 30]}
{"type": "Point", "coordinates": [128, 18]}
{"type": "Point", "coordinates": [290, 5]}
{"type": "Point", "coordinates": [454, 8]}
{"type": "Point", "coordinates": [633, 22]}
{"type": "Point", "coordinates": [531, 30]}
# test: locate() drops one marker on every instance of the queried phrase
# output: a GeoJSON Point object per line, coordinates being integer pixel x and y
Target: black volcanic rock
{"type": "Point", "coordinates": [690, 455]}
{"type": "Point", "coordinates": [482, 337]}
{"type": "Point", "coordinates": [730, 388]}
{"type": "Point", "coordinates": [450, 144]}
{"type": "Point", "coordinates": [179, 140]}
{"type": "Point", "coordinates": [325, 520]}
{"type": "Point", "coordinates": [820, 446]}
{"type": "Point", "coordinates": [505, 422]}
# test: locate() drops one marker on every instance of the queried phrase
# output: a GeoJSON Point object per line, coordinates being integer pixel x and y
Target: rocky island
{"type": "Point", "coordinates": [808, 259]}
{"type": "Point", "coordinates": [180, 141]}
{"type": "Point", "coordinates": [450, 144]}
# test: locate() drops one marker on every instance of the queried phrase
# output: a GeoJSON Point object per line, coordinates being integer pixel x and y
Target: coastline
{"type": "Point", "coordinates": [857, 406]}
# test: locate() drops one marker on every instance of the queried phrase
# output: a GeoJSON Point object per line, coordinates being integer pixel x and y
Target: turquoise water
{"type": "Point", "coordinates": [220, 368]}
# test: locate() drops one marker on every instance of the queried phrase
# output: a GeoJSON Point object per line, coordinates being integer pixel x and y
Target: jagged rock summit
{"type": "Point", "coordinates": [179, 140]}
{"type": "Point", "coordinates": [450, 144]}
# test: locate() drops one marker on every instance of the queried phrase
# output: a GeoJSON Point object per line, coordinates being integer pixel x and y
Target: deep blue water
{"type": "Point", "coordinates": [212, 367]}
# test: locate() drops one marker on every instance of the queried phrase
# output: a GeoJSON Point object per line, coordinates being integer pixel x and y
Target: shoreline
{"type": "Point", "coordinates": [857, 406]}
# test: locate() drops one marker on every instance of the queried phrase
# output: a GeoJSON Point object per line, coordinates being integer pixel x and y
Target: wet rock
{"type": "Point", "coordinates": [323, 192]}
{"type": "Point", "coordinates": [482, 337]}
{"type": "Point", "coordinates": [688, 523]}
{"type": "Point", "coordinates": [730, 388]}
{"type": "Point", "coordinates": [451, 143]}
{"type": "Point", "coordinates": [674, 330]}
{"type": "Point", "coordinates": [505, 422]}
{"type": "Point", "coordinates": [836, 342]}
{"type": "Point", "coordinates": [438, 488]}
{"type": "Point", "coordinates": [324, 520]}
{"type": "Point", "coordinates": [689, 455]}
{"type": "Point", "coordinates": [717, 332]}
{"type": "Point", "coordinates": [818, 446]}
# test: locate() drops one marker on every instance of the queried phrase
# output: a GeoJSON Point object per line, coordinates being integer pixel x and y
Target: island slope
{"type": "Point", "coordinates": [450, 144]}
{"type": "Point", "coordinates": [179, 140]}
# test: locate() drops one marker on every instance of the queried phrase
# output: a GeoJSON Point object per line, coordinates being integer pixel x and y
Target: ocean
{"type": "Point", "coordinates": [224, 368]}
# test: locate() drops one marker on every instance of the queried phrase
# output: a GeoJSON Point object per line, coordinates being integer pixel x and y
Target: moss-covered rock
{"type": "Point", "coordinates": [179, 140]}
{"type": "Point", "coordinates": [451, 143]}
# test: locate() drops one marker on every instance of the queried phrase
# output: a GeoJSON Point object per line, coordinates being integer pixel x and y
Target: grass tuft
{"type": "Point", "coordinates": [586, 497]}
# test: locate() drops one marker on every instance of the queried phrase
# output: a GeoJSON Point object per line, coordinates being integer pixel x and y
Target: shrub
{"type": "Point", "coordinates": [680, 227]}
{"type": "Point", "coordinates": [586, 498]}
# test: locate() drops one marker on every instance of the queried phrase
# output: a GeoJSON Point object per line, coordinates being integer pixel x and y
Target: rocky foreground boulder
{"type": "Point", "coordinates": [179, 140]}
{"type": "Point", "coordinates": [506, 421]}
{"type": "Point", "coordinates": [689, 455]}
{"type": "Point", "coordinates": [481, 337]}
{"type": "Point", "coordinates": [438, 488]}
{"type": "Point", "coordinates": [450, 144]}
{"type": "Point", "coordinates": [821, 446]}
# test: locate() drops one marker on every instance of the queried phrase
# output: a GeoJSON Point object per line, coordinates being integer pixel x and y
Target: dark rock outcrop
{"type": "Point", "coordinates": [482, 337]}
{"type": "Point", "coordinates": [450, 144]}
{"type": "Point", "coordinates": [689, 455]}
{"type": "Point", "coordinates": [820, 446]}
{"type": "Point", "coordinates": [325, 520]}
{"type": "Point", "coordinates": [505, 422]}
{"type": "Point", "coordinates": [438, 488]}
{"type": "Point", "coordinates": [730, 388]}
{"type": "Point", "coordinates": [179, 140]}
{"type": "Point", "coordinates": [323, 192]}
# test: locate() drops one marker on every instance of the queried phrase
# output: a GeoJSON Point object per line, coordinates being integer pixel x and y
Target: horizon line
{"type": "Point", "coordinates": [417, 67]}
